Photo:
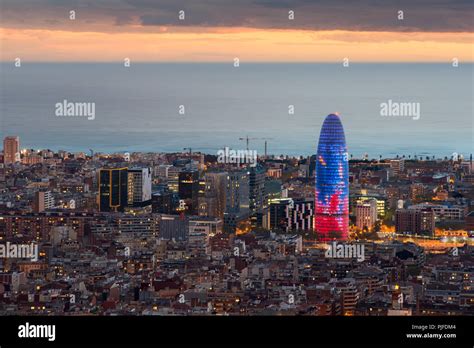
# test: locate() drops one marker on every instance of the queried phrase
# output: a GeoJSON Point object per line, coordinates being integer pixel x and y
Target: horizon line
{"type": "Point", "coordinates": [230, 62]}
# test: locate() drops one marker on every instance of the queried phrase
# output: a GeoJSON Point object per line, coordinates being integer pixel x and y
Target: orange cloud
{"type": "Point", "coordinates": [223, 44]}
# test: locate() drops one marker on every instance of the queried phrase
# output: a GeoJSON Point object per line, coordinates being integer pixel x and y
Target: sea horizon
{"type": "Point", "coordinates": [138, 107]}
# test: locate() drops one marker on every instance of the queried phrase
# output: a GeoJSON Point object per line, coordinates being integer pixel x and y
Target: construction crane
{"type": "Point", "coordinates": [247, 140]}
{"type": "Point", "coordinates": [266, 142]}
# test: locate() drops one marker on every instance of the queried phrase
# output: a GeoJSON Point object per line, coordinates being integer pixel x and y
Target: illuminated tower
{"type": "Point", "coordinates": [332, 182]}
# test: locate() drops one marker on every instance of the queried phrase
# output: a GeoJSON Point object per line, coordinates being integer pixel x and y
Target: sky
{"type": "Point", "coordinates": [251, 30]}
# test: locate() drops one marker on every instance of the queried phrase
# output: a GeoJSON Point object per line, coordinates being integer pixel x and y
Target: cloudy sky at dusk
{"type": "Point", "coordinates": [253, 30]}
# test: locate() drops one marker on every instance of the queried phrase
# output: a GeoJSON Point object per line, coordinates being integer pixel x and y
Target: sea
{"type": "Point", "coordinates": [167, 107]}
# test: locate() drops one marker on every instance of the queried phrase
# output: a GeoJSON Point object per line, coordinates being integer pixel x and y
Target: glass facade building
{"type": "Point", "coordinates": [188, 190]}
{"type": "Point", "coordinates": [113, 194]}
{"type": "Point", "coordinates": [332, 182]}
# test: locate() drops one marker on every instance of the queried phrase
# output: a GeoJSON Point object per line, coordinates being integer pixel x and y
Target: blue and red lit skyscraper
{"type": "Point", "coordinates": [332, 182]}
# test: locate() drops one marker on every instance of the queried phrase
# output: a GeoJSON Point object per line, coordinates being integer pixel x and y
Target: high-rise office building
{"type": "Point", "coordinates": [11, 149]}
{"type": "Point", "coordinates": [139, 187]}
{"type": "Point", "coordinates": [237, 196]}
{"type": "Point", "coordinates": [332, 182]}
{"type": "Point", "coordinates": [173, 179]}
{"type": "Point", "coordinates": [213, 203]}
{"type": "Point", "coordinates": [188, 190]}
{"type": "Point", "coordinates": [366, 214]}
{"type": "Point", "coordinates": [256, 189]}
{"type": "Point", "coordinates": [113, 193]}
{"type": "Point", "coordinates": [226, 196]}
{"type": "Point", "coordinates": [237, 199]}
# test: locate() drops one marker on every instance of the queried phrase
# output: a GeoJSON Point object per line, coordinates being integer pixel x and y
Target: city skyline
{"type": "Point", "coordinates": [168, 162]}
{"type": "Point", "coordinates": [362, 156]}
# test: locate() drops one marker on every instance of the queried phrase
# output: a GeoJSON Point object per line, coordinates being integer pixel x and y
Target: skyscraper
{"type": "Point", "coordinates": [237, 192]}
{"type": "Point", "coordinates": [188, 190]}
{"type": "Point", "coordinates": [214, 201]}
{"type": "Point", "coordinates": [139, 187]}
{"type": "Point", "coordinates": [237, 199]}
{"type": "Point", "coordinates": [11, 149]}
{"type": "Point", "coordinates": [113, 184]}
{"type": "Point", "coordinates": [257, 197]}
{"type": "Point", "coordinates": [332, 182]}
